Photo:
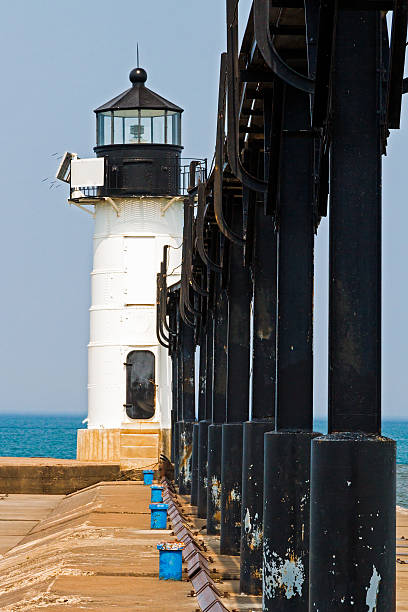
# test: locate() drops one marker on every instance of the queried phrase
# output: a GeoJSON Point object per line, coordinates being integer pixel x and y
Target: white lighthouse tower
{"type": "Point", "coordinates": [132, 188]}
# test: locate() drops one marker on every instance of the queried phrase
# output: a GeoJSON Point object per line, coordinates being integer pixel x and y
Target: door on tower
{"type": "Point", "coordinates": [140, 385]}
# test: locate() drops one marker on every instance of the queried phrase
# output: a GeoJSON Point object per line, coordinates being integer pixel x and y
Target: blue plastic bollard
{"type": "Point", "coordinates": [157, 494]}
{"type": "Point", "coordinates": [148, 477]}
{"type": "Point", "coordinates": [158, 516]}
{"type": "Point", "coordinates": [170, 561]}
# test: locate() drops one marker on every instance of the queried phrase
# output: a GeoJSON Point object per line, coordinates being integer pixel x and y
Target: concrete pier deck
{"type": "Point", "coordinates": [19, 514]}
{"type": "Point", "coordinates": [93, 551]}
{"type": "Point", "coordinates": [49, 476]}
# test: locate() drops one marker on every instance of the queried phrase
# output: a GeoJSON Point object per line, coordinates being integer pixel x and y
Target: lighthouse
{"type": "Point", "coordinates": [132, 188]}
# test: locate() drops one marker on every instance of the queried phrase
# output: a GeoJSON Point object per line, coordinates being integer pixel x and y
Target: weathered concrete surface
{"type": "Point", "coordinates": [94, 551]}
{"type": "Point", "coordinates": [48, 476]}
{"type": "Point", "coordinates": [19, 514]}
{"type": "Point", "coordinates": [133, 446]}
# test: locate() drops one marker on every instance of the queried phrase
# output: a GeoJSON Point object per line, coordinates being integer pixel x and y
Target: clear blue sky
{"type": "Point", "coordinates": [59, 62]}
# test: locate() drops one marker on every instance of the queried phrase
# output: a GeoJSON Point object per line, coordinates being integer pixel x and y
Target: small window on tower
{"type": "Point", "coordinates": [140, 385]}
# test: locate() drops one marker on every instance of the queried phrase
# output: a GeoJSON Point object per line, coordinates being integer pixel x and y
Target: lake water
{"type": "Point", "coordinates": [39, 436]}
{"type": "Point", "coordinates": [55, 436]}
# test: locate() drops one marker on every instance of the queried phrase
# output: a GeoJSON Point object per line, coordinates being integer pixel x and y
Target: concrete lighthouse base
{"type": "Point", "coordinates": [137, 446]}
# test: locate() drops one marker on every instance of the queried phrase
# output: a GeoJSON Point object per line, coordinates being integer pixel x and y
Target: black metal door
{"type": "Point", "coordinates": [140, 385]}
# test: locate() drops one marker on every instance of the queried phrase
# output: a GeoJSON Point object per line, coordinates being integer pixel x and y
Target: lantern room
{"type": "Point", "coordinates": [139, 134]}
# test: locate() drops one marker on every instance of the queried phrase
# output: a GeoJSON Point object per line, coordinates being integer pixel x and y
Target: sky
{"type": "Point", "coordinates": [59, 62]}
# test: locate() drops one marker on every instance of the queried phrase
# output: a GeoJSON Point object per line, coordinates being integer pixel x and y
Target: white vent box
{"type": "Point", "coordinates": [88, 172]}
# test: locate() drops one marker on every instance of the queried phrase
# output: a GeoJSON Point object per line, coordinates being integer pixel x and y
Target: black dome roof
{"type": "Point", "coordinates": [138, 96]}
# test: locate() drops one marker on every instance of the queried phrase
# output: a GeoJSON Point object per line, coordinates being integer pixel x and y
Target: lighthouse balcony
{"type": "Point", "coordinates": [148, 174]}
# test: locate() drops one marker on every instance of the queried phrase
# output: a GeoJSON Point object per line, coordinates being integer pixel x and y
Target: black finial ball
{"type": "Point", "coordinates": [138, 75]}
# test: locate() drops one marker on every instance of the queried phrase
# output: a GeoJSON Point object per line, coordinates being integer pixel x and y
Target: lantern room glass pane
{"type": "Point", "coordinates": [174, 128]}
{"type": "Point", "coordinates": [145, 129]}
{"type": "Point", "coordinates": [131, 130]}
{"type": "Point", "coordinates": [139, 126]}
{"type": "Point", "coordinates": [103, 129]}
{"type": "Point", "coordinates": [158, 129]}
{"type": "Point", "coordinates": [140, 385]}
{"type": "Point", "coordinates": [118, 130]}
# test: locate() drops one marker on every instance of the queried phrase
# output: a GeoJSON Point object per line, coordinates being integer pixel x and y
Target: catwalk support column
{"type": "Point", "coordinates": [201, 417]}
{"type": "Point", "coordinates": [239, 295]}
{"type": "Point", "coordinates": [186, 425]}
{"type": "Point", "coordinates": [353, 470]}
{"type": "Point", "coordinates": [203, 425]}
{"type": "Point", "coordinates": [219, 406]}
{"type": "Point", "coordinates": [264, 272]}
{"type": "Point", "coordinates": [287, 450]}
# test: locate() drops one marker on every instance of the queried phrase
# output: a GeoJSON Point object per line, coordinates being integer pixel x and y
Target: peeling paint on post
{"type": "Point", "coordinates": [252, 506]}
{"type": "Point", "coordinates": [286, 521]}
{"type": "Point", "coordinates": [185, 458]}
{"type": "Point", "coordinates": [283, 577]}
{"type": "Point", "coordinates": [373, 590]}
{"type": "Point", "coordinates": [357, 570]}
{"type": "Point", "coordinates": [231, 489]}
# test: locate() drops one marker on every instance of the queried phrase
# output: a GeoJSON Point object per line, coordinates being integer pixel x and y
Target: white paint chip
{"type": "Point", "coordinates": [372, 591]}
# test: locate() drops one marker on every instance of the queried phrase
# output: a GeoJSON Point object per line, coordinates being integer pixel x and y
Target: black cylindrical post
{"type": "Point", "coordinates": [218, 416]}
{"type": "Point", "coordinates": [202, 468]}
{"type": "Point", "coordinates": [264, 274]}
{"type": "Point", "coordinates": [352, 545]}
{"type": "Point", "coordinates": [186, 425]}
{"type": "Point", "coordinates": [352, 542]}
{"type": "Point", "coordinates": [286, 521]}
{"type": "Point", "coordinates": [231, 488]}
{"type": "Point", "coordinates": [214, 478]}
{"type": "Point", "coordinates": [252, 506]}
{"type": "Point", "coordinates": [287, 450]}
{"type": "Point", "coordinates": [239, 296]}
{"type": "Point", "coordinates": [203, 425]}
{"type": "Point", "coordinates": [179, 358]}
{"type": "Point", "coordinates": [201, 417]}
{"type": "Point", "coordinates": [194, 466]}
{"type": "Point", "coordinates": [174, 399]}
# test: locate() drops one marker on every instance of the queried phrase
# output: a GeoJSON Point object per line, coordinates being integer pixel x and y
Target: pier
{"type": "Point", "coordinates": [303, 121]}
{"type": "Point", "coordinates": [201, 349]}
{"type": "Point", "coordinates": [94, 549]}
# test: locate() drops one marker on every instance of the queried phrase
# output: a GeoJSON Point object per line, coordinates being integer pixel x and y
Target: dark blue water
{"type": "Point", "coordinates": [55, 436]}
{"type": "Point", "coordinates": [39, 436]}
